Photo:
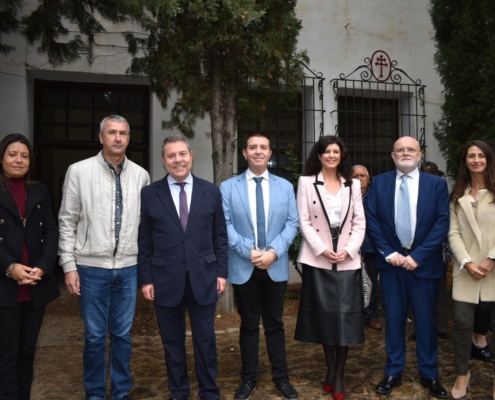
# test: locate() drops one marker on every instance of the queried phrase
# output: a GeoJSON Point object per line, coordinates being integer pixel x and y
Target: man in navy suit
{"type": "Point", "coordinates": [261, 214]}
{"type": "Point", "coordinates": [183, 265]}
{"type": "Point", "coordinates": [407, 217]}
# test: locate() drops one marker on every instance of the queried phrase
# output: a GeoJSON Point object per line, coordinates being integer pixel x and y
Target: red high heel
{"type": "Point", "coordinates": [339, 396]}
{"type": "Point", "coordinates": [326, 388]}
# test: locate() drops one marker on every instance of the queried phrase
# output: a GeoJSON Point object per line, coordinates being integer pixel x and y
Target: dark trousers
{"type": "Point", "coordinates": [463, 330]}
{"type": "Point", "coordinates": [262, 296]}
{"type": "Point", "coordinates": [172, 322]}
{"type": "Point", "coordinates": [371, 312]}
{"type": "Point", "coordinates": [19, 330]}
{"type": "Point", "coordinates": [399, 290]}
{"type": "Point", "coordinates": [482, 318]}
{"type": "Point", "coordinates": [442, 322]}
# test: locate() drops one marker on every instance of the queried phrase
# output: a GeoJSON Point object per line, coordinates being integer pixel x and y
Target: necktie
{"type": "Point", "coordinates": [184, 212]}
{"type": "Point", "coordinates": [260, 215]}
{"type": "Point", "coordinates": [403, 224]}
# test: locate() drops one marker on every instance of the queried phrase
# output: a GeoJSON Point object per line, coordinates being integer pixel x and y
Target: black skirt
{"type": "Point", "coordinates": [331, 307]}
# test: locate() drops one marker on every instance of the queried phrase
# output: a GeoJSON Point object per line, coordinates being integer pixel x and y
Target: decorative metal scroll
{"type": "Point", "coordinates": [376, 104]}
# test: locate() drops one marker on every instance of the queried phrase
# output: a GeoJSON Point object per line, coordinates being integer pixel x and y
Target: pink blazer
{"type": "Point", "coordinates": [316, 230]}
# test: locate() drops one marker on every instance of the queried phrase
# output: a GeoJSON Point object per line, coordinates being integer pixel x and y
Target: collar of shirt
{"type": "Point", "coordinates": [250, 175]}
{"type": "Point", "coordinates": [175, 191]}
{"type": "Point", "coordinates": [413, 174]}
{"type": "Point", "coordinates": [119, 167]}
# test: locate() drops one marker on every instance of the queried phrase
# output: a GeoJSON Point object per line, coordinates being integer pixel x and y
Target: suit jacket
{"type": "Point", "coordinates": [315, 227]}
{"type": "Point", "coordinates": [282, 226]}
{"type": "Point", "coordinates": [472, 237]}
{"type": "Point", "coordinates": [41, 235]}
{"type": "Point", "coordinates": [164, 247]}
{"type": "Point", "coordinates": [432, 222]}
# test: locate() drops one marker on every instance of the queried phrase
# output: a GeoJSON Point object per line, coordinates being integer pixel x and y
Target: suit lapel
{"type": "Point", "coordinates": [163, 192]}
{"type": "Point", "coordinates": [424, 188]}
{"type": "Point", "coordinates": [33, 198]}
{"type": "Point", "coordinates": [274, 192]}
{"type": "Point", "coordinates": [242, 188]}
{"type": "Point", "coordinates": [346, 191]}
{"type": "Point", "coordinates": [319, 185]}
{"type": "Point", "coordinates": [467, 207]}
{"type": "Point", "coordinates": [390, 193]}
{"type": "Point", "coordinates": [197, 195]}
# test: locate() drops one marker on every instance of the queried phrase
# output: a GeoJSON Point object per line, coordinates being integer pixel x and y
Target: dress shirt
{"type": "Point", "coordinates": [335, 206]}
{"type": "Point", "coordinates": [175, 191]}
{"type": "Point", "coordinates": [265, 187]}
{"type": "Point", "coordinates": [413, 185]}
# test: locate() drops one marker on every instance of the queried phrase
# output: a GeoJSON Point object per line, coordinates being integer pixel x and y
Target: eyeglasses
{"type": "Point", "coordinates": [403, 150]}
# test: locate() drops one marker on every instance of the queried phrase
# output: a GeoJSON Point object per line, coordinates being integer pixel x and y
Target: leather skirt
{"type": "Point", "coordinates": [331, 307]}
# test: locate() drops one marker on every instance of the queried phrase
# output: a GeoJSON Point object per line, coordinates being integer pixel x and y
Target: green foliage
{"type": "Point", "coordinates": [8, 21]}
{"type": "Point", "coordinates": [294, 168]}
{"type": "Point", "coordinates": [200, 47]}
{"type": "Point", "coordinates": [465, 58]}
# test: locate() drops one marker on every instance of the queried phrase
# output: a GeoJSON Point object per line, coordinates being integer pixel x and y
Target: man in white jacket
{"type": "Point", "coordinates": [98, 223]}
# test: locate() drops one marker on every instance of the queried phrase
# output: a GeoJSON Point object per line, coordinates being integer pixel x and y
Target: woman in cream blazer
{"type": "Point", "coordinates": [332, 224]}
{"type": "Point", "coordinates": [472, 239]}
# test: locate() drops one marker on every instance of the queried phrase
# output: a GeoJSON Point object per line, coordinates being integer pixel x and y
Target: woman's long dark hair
{"type": "Point", "coordinates": [313, 163]}
{"type": "Point", "coordinates": [4, 144]}
{"type": "Point", "coordinates": [464, 177]}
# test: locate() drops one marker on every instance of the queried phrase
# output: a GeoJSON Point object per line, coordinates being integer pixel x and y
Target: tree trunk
{"type": "Point", "coordinates": [223, 128]}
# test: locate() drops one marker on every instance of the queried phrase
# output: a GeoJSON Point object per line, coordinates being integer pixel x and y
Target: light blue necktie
{"type": "Point", "coordinates": [403, 223]}
{"type": "Point", "coordinates": [260, 215]}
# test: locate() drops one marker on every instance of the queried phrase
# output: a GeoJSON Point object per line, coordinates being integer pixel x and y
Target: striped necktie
{"type": "Point", "coordinates": [403, 223]}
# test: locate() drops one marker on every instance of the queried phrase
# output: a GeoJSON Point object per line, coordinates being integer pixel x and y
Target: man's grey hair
{"type": "Point", "coordinates": [360, 166]}
{"type": "Point", "coordinates": [114, 118]}
{"type": "Point", "coordinates": [176, 137]}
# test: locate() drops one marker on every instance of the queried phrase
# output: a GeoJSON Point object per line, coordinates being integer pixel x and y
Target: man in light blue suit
{"type": "Point", "coordinates": [261, 215]}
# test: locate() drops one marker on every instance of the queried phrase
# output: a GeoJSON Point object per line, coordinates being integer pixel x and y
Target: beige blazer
{"type": "Point", "coordinates": [316, 231]}
{"type": "Point", "coordinates": [473, 238]}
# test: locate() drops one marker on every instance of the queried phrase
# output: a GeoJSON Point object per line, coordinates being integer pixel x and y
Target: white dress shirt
{"type": "Point", "coordinates": [413, 186]}
{"type": "Point", "coordinates": [175, 191]}
{"type": "Point", "coordinates": [265, 187]}
{"type": "Point", "coordinates": [334, 203]}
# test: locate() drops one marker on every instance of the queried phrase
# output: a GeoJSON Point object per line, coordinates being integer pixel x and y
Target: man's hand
{"type": "Point", "coordinates": [410, 264]}
{"type": "Point", "coordinates": [265, 259]}
{"type": "Point", "coordinates": [474, 270]}
{"type": "Point", "coordinates": [255, 254]}
{"type": "Point", "coordinates": [148, 291]}
{"type": "Point", "coordinates": [221, 283]}
{"type": "Point", "coordinates": [486, 266]}
{"type": "Point", "coordinates": [397, 260]}
{"type": "Point", "coordinates": [72, 282]}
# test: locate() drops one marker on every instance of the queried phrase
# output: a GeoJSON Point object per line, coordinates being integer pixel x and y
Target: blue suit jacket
{"type": "Point", "coordinates": [432, 222]}
{"type": "Point", "coordinates": [164, 247]}
{"type": "Point", "coordinates": [282, 226]}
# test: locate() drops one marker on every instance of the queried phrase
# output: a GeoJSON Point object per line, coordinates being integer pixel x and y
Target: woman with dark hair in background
{"type": "Point", "coordinates": [332, 224]}
{"type": "Point", "coordinates": [28, 249]}
{"type": "Point", "coordinates": [472, 239]}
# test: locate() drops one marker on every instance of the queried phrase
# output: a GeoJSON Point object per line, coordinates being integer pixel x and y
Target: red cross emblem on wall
{"type": "Point", "coordinates": [381, 66]}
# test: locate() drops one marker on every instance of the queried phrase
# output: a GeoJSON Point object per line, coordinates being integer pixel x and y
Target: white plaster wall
{"type": "Point", "coordinates": [340, 34]}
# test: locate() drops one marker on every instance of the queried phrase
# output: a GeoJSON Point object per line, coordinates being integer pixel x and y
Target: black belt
{"type": "Point", "coordinates": [406, 250]}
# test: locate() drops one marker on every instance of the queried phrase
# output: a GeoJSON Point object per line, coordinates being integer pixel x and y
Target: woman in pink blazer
{"type": "Point", "coordinates": [332, 224]}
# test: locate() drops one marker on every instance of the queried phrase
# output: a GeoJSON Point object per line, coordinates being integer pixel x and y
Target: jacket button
{"type": "Point", "coordinates": [182, 262]}
{"type": "Point", "coordinates": [316, 216]}
{"type": "Point", "coordinates": [42, 240]}
{"type": "Point", "coordinates": [39, 206]}
{"type": "Point", "coordinates": [314, 202]}
{"type": "Point", "coordinates": [41, 223]}
{"type": "Point", "coordinates": [2, 221]}
{"type": "Point", "coordinates": [317, 230]}
{"type": "Point", "coordinates": [1, 240]}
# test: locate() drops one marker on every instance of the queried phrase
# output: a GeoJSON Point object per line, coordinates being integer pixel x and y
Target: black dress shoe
{"type": "Point", "coordinates": [484, 354]}
{"type": "Point", "coordinates": [287, 390]}
{"type": "Point", "coordinates": [245, 390]}
{"type": "Point", "coordinates": [444, 336]}
{"type": "Point", "coordinates": [434, 387]}
{"type": "Point", "coordinates": [387, 384]}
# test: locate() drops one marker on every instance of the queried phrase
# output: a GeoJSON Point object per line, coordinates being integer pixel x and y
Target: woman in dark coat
{"type": "Point", "coordinates": [28, 250]}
